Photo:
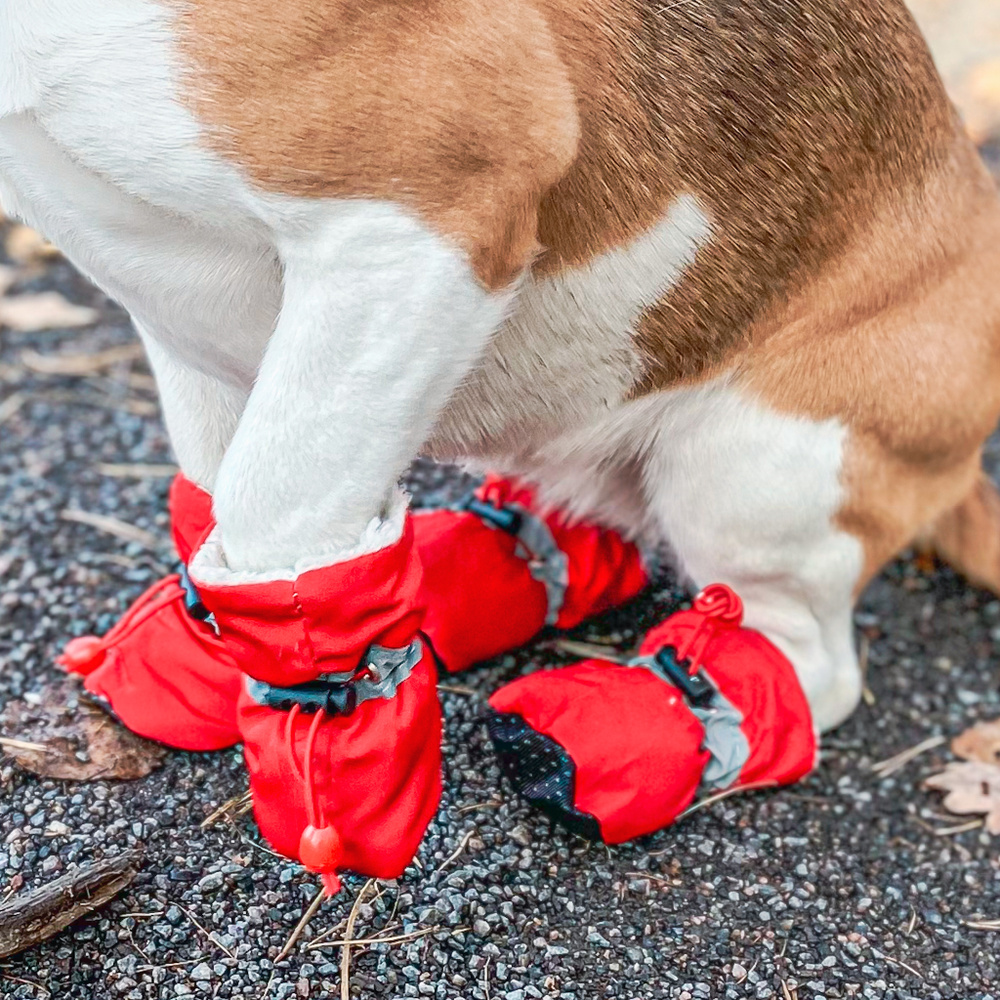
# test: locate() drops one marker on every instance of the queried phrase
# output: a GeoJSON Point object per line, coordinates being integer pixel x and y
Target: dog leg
{"type": "Point", "coordinates": [201, 412]}
{"type": "Point", "coordinates": [968, 536]}
{"type": "Point", "coordinates": [381, 319]}
{"type": "Point", "coordinates": [749, 497]}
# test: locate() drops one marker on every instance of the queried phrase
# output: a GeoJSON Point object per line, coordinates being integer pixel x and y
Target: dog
{"type": "Point", "coordinates": [717, 275]}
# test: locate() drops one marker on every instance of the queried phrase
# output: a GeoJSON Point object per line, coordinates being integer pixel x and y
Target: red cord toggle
{"type": "Point", "coordinates": [82, 655]}
{"type": "Point", "coordinates": [720, 601]}
{"type": "Point", "coordinates": [320, 848]}
{"type": "Point", "coordinates": [719, 606]}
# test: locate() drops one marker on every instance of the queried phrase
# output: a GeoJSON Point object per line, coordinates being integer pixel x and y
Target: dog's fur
{"type": "Point", "coordinates": [723, 273]}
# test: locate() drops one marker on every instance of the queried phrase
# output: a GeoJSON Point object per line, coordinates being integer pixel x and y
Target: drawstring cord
{"type": "Point", "coordinates": [320, 847]}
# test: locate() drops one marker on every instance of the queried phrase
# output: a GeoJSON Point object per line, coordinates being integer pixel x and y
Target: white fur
{"type": "Point", "coordinates": [381, 320]}
{"type": "Point", "coordinates": [567, 354]}
{"type": "Point", "coordinates": [210, 564]}
{"type": "Point", "coordinates": [744, 496]}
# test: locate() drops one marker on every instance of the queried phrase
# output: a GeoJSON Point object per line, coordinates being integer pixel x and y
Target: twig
{"type": "Point", "coordinates": [719, 796]}
{"type": "Point", "coordinates": [23, 745]}
{"type": "Point", "coordinates": [26, 982]}
{"type": "Point", "coordinates": [169, 965]}
{"type": "Point", "coordinates": [239, 805]}
{"type": "Point", "coordinates": [36, 916]}
{"type": "Point", "coordinates": [10, 406]}
{"type": "Point", "coordinates": [79, 364]}
{"type": "Point", "coordinates": [112, 526]}
{"type": "Point", "coordinates": [136, 470]}
{"type": "Point", "coordinates": [345, 955]}
{"type": "Point", "coordinates": [893, 764]}
{"type": "Point", "coordinates": [654, 878]}
{"type": "Point", "coordinates": [899, 962]}
{"type": "Point", "coordinates": [385, 939]}
{"type": "Point", "coordinates": [458, 850]}
{"type": "Point", "coordinates": [589, 651]}
{"type": "Point", "coordinates": [982, 925]}
{"type": "Point", "coordinates": [493, 804]}
{"type": "Point", "coordinates": [466, 692]}
{"type": "Point", "coordinates": [211, 937]}
{"type": "Point", "coordinates": [948, 831]}
{"type": "Point", "coordinates": [864, 648]}
{"type": "Point", "coordinates": [302, 924]}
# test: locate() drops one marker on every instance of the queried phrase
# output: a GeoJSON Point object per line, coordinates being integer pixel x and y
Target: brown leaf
{"type": "Point", "coordinates": [45, 311]}
{"type": "Point", "coordinates": [981, 742]}
{"type": "Point", "coordinates": [81, 742]}
{"type": "Point", "coordinates": [26, 246]}
{"type": "Point", "coordinates": [7, 278]}
{"type": "Point", "coordinates": [972, 787]}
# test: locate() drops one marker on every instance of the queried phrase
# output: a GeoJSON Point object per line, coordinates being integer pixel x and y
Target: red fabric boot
{"type": "Point", "coordinates": [617, 751]}
{"type": "Point", "coordinates": [339, 716]}
{"type": "Point", "coordinates": [498, 568]}
{"type": "Point", "coordinates": [162, 670]}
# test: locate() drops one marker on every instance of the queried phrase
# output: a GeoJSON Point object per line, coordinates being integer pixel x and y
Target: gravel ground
{"type": "Point", "coordinates": [842, 886]}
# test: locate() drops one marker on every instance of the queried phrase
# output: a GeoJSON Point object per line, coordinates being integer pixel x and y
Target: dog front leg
{"type": "Point", "coordinates": [312, 574]}
{"type": "Point", "coordinates": [381, 319]}
{"type": "Point", "coordinates": [201, 412]}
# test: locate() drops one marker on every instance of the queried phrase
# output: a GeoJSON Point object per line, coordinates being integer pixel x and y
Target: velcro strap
{"type": "Point", "coordinates": [380, 676]}
{"type": "Point", "coordinates": [723, 722]}
{"type": "Point", "coordinates": [547, 563]}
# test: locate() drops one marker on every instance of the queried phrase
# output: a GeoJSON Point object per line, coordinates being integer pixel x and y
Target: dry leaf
{"type": "Point", "coordinates": [973, 788]}
{"type": "Point", "coordinates": [82, 743]}
{"type": "Point", "coordinates": [7, 278]}
{"type": "Point", "coordinates": [80, 364]}
{"type": "Point", "coordinates": [981, 742]}
{"type": "Point", "coordinates": [46, 311]}
{"type": "Point", "coordinates": [26, 246]}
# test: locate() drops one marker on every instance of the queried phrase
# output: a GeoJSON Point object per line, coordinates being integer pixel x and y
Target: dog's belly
{"type": "Point", "coordinates": [568, 354]}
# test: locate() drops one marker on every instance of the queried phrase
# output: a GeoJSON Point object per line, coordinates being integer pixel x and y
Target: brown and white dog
{"type": "Point", "coordinates": [721, 273]}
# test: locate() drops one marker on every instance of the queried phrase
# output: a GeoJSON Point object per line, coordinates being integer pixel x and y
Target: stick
{"type": "Point", "coordinates": [752, 786]}
{"type": "Point", "coordinates": [301, 925]}
{"type": "Point", "coordinates": [345, 955]}
{"type": "Point", "coordinates": [458, 850]}
{"type": "Point", "coordinates": [112, 526]}
{"type": "Point", "coordinates": [41, 913]}
{"type": "Point", "coordinates": [886, 767]}
{"type": "Point", "coordinates": [136, 470]}
{"type": "Point", "coordinates": [23, 745]}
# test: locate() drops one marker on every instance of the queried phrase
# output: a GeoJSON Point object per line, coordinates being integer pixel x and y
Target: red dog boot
{"type": "Point", "coordinates": [614, 751]}
{"type": "Point", "coordinates": [162, 670]}
{"type": "Point", "coordinates": [498, 568]}
{"type": "Point", "coordinates": [339, 717]}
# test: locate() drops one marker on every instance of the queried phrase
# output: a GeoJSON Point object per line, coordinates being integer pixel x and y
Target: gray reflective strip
{"type": "Point", "coordinates": [547, 563]}
{"type": "Point", "coordinates": [388, 668]}
{"type": "Point", "coordinates": [724, 737]}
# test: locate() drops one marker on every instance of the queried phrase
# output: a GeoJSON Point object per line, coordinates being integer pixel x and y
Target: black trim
{"type": "Point", "coordinates": [541, 771]}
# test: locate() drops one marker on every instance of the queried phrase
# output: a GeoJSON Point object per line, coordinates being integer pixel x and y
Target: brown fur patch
{"type": "Point", "coordinates": [458, 110]}
{"type": "Point", "coordinates": [899, 340]}
{"type": "Point", "coordinates": [787, 121]}
{"type": "Point", "coordinates": [790, 122]}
